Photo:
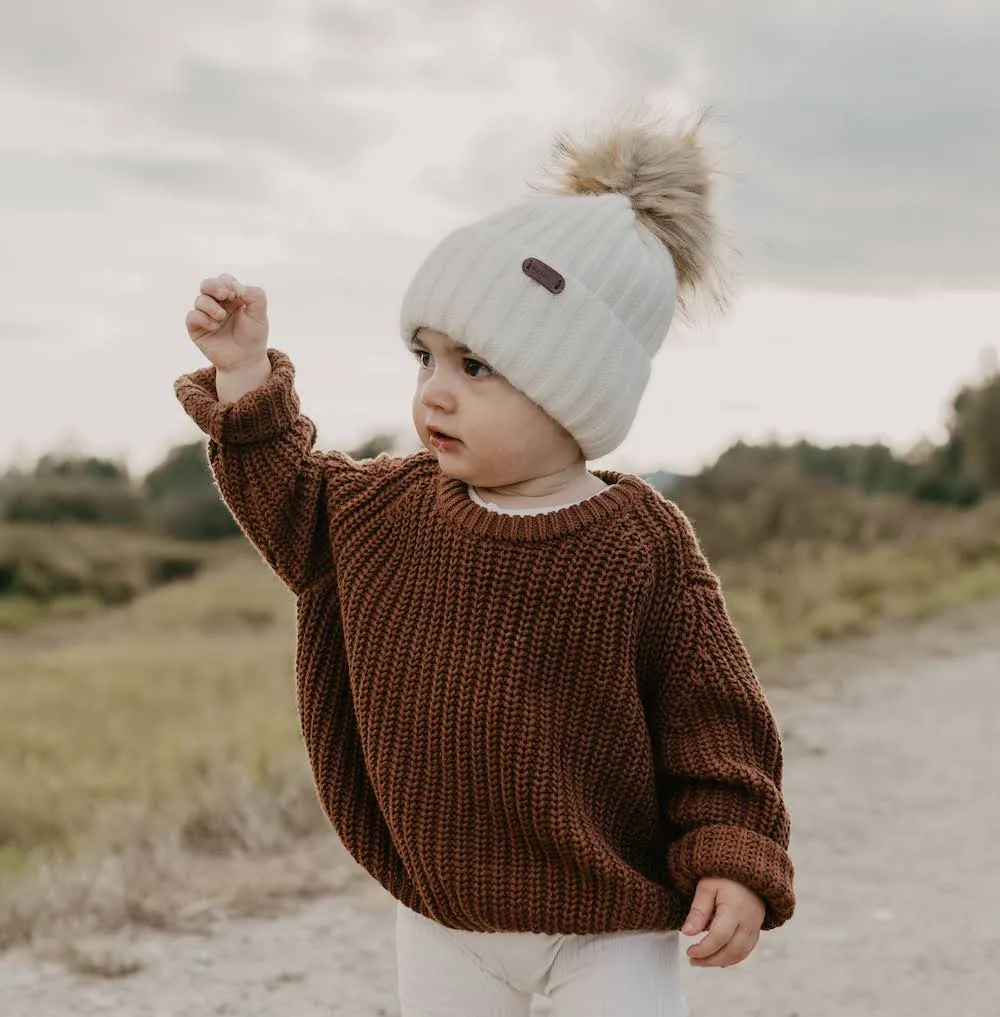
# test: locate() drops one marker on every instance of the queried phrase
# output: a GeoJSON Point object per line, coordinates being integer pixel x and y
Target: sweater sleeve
{"type": "Point", "coordinates": [260, 451]}
{"type": "Point", "coordinates": [717, 745]}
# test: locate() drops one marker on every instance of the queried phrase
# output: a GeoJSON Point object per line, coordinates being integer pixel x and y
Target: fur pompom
{"type": "Point", "coordinates": [665, 174]}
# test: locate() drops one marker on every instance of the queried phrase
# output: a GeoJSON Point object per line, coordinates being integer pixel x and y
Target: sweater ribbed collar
{"type": "Point", "coordinates": [623, 492]}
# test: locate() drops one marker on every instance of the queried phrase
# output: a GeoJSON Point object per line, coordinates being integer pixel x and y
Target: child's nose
{"type": "Point", "coordinates": [438, 392]}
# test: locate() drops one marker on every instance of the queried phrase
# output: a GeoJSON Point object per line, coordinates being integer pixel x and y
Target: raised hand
{"type": "Point", "coordinates": [228, 323]}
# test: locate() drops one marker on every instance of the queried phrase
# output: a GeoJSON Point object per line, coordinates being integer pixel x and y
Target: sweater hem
{"type": "Point", "coordinates": [666, 916]}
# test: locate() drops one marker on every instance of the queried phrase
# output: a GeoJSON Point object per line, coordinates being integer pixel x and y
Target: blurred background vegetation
{"type": "Point", "coordinates": [78, 532]}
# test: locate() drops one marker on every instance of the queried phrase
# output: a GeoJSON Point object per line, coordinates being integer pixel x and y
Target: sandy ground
{"type": "Point", "coordinates": [893, 770]}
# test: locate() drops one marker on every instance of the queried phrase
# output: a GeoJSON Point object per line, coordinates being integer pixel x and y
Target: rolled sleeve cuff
{"type": "Point", "coordinates": [259, 415]}
{"type": "Point", "coordinates": [739, 854]}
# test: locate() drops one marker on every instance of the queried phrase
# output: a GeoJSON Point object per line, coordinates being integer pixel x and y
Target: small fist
{"type": "Point", "coordinates": [732, 914]}
{"type": "Point", "coordinates": [228, 323]}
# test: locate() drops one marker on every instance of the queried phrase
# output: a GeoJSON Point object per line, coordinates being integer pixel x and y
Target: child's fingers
{"type": "Point", "coordinates": [254, 302]}
{"type": "Point", "coordinates": [213, 287]}
{"type": "Point", "coordinates": [200, 324]}
{"type": "Point", "coordinates": [232, 285]}
{"type": "Point", "coordinates": [736, 950]}
{"type": "Point", "coordinates": [702, 909]}
{"type": "Point", "coordinates": [222, 287]}
{"type": "Point", "coordinates": [720, 932]}
{"type": "Point", "coordinates": [210, 307]}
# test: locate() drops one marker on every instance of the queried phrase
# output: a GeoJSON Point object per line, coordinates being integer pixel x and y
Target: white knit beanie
{"type": "Point", "coordinates": [570, 293]}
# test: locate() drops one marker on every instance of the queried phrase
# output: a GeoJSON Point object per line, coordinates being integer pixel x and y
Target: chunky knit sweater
{"type": "Point", "coordinates": [541, 723]}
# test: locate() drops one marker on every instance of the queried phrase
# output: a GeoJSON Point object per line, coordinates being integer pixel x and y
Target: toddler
{"type": "Point", "coordinates": [527, 711]}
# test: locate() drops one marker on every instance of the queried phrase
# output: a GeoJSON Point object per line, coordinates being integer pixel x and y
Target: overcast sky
{"type": "Point", "coordinates": [320, 149]}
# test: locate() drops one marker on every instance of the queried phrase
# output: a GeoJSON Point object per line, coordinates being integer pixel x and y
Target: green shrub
{"type": "Point", "coordinates": [56, 498]}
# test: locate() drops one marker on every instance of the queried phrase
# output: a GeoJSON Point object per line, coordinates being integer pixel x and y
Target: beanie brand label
{"type": "Point", "coordinates": [543, 274]}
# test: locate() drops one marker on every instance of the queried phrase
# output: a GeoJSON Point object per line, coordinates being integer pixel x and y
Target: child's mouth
{"type": "Point", "coordinates": [443, 442]}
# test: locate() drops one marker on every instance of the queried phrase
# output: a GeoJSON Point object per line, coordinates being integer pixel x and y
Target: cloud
{"type": "Point", "coordinates": [866, 149]}
{"type": "Point", "coordinates": [201, 73]}
{"type": "Point", "coordinates": [264, 110]}
{"type": "Point", "coordinates": [861, 145]}
{"type": "Point", "coordinates": [104, 48]}
{"type": "Point", "coordinates": [234, 179]}
{"type": "Point", "coordinates": [861, 142]}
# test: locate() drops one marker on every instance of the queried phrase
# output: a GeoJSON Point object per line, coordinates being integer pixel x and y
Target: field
{"type": "Point", "coordinates": [167, 723]}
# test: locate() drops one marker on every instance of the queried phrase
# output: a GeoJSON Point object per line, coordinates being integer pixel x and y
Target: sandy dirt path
{"type": "Point", "coordinates": [892, 779]}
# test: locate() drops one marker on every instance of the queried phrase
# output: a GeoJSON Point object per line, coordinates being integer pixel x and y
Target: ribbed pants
{"type": "Point", "coordinates": [447, 973]}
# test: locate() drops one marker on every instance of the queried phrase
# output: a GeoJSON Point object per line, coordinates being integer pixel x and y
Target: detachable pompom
{"type": "Point", "coordinates": [665, 174]}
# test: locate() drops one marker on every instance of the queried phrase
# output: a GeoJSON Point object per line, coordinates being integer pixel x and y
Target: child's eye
{"type": "Point", "coordinates": [478, 363]}
{"type": "Point", "coordinates": [420, 354]}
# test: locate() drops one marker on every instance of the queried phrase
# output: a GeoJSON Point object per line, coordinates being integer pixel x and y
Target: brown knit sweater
{"type": "Point", "coordinates": [539, 723]}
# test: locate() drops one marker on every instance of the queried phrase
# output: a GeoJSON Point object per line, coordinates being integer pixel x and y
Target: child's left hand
{"type": "Point", "coordinates": [733, 916]}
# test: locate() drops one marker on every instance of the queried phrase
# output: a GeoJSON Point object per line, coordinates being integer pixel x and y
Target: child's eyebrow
{"type": "Point", "coordinates": [457, 347]}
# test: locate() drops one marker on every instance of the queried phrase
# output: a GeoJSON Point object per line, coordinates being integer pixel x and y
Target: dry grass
{"type": "Point", "coordinates": [151, 769]}
{"type": "Point", "coordinates": [242, 849]}
{"type": "Point", "coordinates": [98, 958]}
{"type": "Point", "coordinates": [151, 772]}
{"type": "Point", "coordinates": [186, 682]}
{"type": "Point", "coordinates": [787, 598]}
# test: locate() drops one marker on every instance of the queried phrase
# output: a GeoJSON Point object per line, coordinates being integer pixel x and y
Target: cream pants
{"type": "Point", "coordinates": [447, 973]}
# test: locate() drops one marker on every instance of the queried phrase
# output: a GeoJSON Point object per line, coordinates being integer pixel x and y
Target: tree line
{"type": "Point", "coordinates": [178, 497]}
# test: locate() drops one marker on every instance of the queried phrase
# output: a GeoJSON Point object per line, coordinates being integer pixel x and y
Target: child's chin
{"type": "Point", "coordinates": [460, 471]}
{"type": "Point", "coordinates": [464, 472]}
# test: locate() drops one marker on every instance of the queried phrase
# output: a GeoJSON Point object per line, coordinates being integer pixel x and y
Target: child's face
{"type": "Point", "coordinates": [502, 436]}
